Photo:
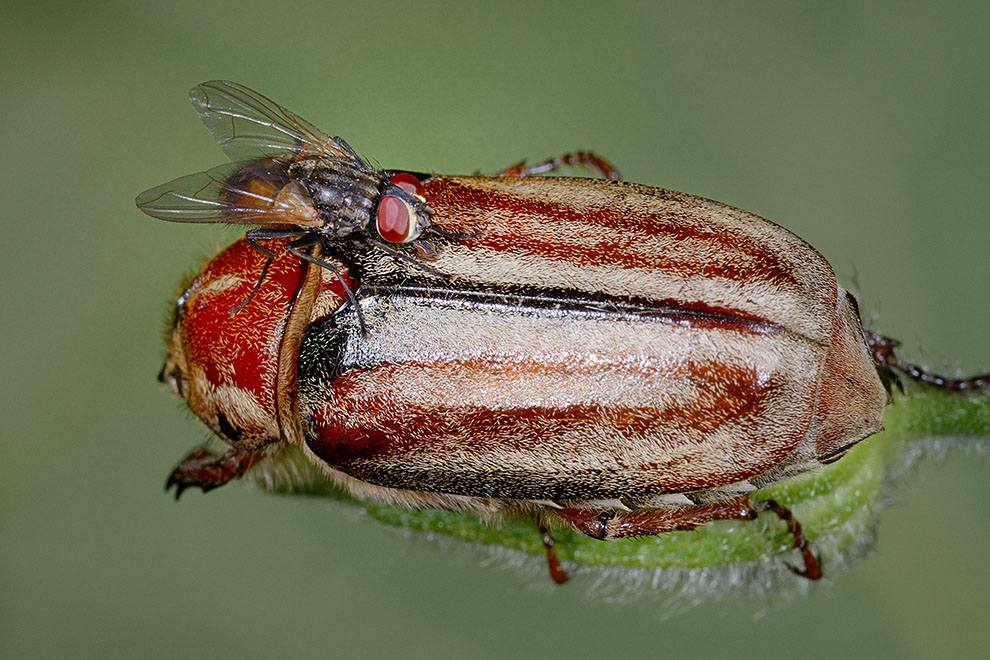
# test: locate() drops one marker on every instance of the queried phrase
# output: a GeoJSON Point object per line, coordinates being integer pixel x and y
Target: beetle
{"type": "Point", "coordinates": [294, 181]}
{"type": "Point", "coordinates": [616, 358]}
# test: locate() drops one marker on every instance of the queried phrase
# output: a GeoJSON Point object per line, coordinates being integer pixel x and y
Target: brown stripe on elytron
{"type": "Point", "coordinates": [726, 393]}
{"type": "Point", "coordinates": [395, 432]}
{"type": "Point", "coordinates": [451, 200]}
{"type": "Point", "coordinates": [393, 449]}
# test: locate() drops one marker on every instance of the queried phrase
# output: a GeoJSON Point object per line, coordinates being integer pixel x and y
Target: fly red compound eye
{"type": "Point", "coordinates": [395, 220]}
{"type": "Point", "coordinates": [407, 182]}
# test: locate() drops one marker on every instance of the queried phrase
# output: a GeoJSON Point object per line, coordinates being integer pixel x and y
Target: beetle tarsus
{"type": "Point", "coordinates": [206, 470]}
{"type": "Point", "coordinates": [882, 349]}
{"type": "Point", "coordinates": [576, 158]}
{"type": "Point", "coordinates": [812, 564]}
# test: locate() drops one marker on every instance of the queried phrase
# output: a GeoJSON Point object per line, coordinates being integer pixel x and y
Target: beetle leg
{"type": "Point", "coordinates": [812, 565]}
{"type": "Point", "coordinates": [882, 349]}
{"type": "Point", "coordinates": [206, 470]}
{"type": "Point", "coordinates": [585, 158]}
{"type": "Point", "coordinates": [557, 574]}
{"type": "Point", "coordinates": [606, 525]}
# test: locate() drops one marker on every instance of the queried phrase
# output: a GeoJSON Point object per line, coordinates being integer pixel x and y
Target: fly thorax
{"type": "Point", "coordinates": [344, 193]}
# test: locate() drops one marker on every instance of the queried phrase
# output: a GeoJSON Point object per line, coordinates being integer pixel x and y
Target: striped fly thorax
{"type": "Point", "coordinates": [344, 193]}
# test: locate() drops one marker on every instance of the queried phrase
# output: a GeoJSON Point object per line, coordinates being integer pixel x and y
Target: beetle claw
{"type": "Point", "coordinates": [179, 486]}
{"type": "Point", "coordinates": [812, 567]}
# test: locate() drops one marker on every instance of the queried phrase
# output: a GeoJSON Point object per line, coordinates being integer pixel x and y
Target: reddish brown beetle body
{"type": "Point", "coordinates": [622, 359]}
{"type": "Point", "coordinates": [638, 363]}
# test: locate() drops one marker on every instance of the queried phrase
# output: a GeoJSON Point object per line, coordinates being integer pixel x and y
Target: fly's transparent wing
{"type": "Point", "coordinates": [255, 193]}
{"type": "Point", "coordinates": [248, 125]}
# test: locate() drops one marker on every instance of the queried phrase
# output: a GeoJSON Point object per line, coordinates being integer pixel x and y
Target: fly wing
{"type": "Point", "coordinates": [248, 125]}
{"type": "Point", "coordinates": [255, 193]}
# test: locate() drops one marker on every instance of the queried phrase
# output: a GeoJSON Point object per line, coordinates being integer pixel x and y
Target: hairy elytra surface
{"type": "Point", "coordinates": [599, 341]}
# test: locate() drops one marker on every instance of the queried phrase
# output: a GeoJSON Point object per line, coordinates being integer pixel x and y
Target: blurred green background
{"type": "Point", "coordinates": [863, 127]}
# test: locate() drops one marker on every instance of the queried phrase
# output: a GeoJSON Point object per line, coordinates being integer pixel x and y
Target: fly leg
{"type": "Point", "coordinates": [307, 241]}
{"type": "Point", "coordinates": [253, 237]}
{"type": "Point", "coordinates": [448, 235]}
{"type": "Point", "coordinates": [388, 249]}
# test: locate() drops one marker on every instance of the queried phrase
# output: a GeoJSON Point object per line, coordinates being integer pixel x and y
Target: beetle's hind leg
{"type": "Point", "coordinates": [882, 349]}
{"type": "Point", "coordinates": [206, 470]}
{"type": "Point", "coordinates": [576, 158]}
{"type": "Point", "coordinates": [812, 565]}
{"type": "Point", "coordinates": [607, 525]}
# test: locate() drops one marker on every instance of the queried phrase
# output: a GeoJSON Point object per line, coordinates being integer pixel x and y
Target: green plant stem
{"type": "Point", "coordinates": [835, 505]}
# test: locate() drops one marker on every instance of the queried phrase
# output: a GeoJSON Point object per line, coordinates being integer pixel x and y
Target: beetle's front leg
{"type": "Point", "coordinates": [585, 158]}
{"type": "Point", "coordinates": [607, 525]}
{"type": "Point", "coordinates": [206, 470]}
